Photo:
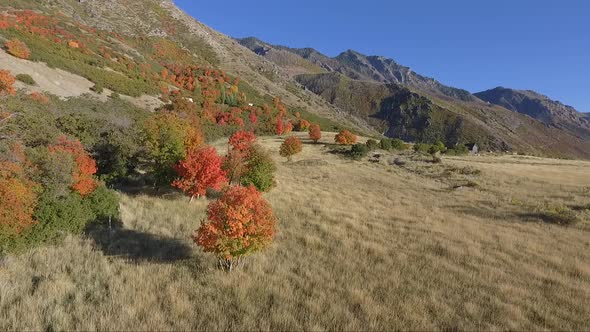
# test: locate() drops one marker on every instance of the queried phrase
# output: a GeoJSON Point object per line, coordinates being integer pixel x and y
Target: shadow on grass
{"type": "Point", "coordinates": [560, 219]}
{"type": "Point", "coordinates": [137, 246]}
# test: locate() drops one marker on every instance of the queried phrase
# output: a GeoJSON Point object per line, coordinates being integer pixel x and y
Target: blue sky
{"type": "Point", "coordinates": [476, 45]}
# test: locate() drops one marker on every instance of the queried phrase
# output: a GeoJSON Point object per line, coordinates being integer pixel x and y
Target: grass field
{"type": "Point", "coordinates": [478, 242]}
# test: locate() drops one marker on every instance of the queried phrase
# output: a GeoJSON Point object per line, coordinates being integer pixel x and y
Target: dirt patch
{"type": "Point", "coordinates": [53, 81]}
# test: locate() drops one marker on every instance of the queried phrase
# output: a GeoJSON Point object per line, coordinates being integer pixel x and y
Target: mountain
{"type": "Point", "coordinates": [540, 107]}
{"type": "Point", "coordinates": [354, 65]}
{"type": "Point", "coordinates": [401, 103]}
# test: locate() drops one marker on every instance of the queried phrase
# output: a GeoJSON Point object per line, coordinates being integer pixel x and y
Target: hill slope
{"type": "Point", "coordinates": [540, 107]}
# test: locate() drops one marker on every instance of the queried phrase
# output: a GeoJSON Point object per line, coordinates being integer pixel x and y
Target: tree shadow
{"type": "Point", "coordinates": [137, 246]}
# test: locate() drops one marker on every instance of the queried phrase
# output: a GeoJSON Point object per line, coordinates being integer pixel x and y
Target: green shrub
{"type": "Point", "coordinates": [422, 147]}
{"type": "Point", "coordinates": [104, 203]}
{"type": "Point", "coordinates": [398, 144]}
{"type": "Point", "coordinates": [359, 151]}
{"type": "Point", "coordinates": [372, 144]}
{"type": "Point", "coordinates": [437, 147]}
{"type": "Point", "coordinates": [261, 170]}
{"type": "Point", "coordinates": [25, 78]}
{"type": "Point", "coordinates": [58, 216]}
{"type": "Point", "coordinates": [386, 144]}
{"type": "Point", "coordinates": [459, 150]}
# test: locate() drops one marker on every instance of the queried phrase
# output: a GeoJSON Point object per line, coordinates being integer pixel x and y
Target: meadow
{"type": "Point", "coordinates": [474, 242]}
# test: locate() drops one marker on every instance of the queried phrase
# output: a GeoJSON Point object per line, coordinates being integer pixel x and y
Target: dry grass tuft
{"type": "Point", "coordinates": [362, 246]}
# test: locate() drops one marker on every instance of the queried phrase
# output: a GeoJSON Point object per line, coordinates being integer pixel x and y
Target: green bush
{"type": "Point", "coordinates": [359, 151]}
{"type": "Point", "coordinates": [386, 144]}
{"type": "Point", "coordinates": [459, 150]}
{"type": "Point", "coordinates": [372, 144]}
{"type": "Point", "coordinates": [398, 144]}
{"type": "Point", "coordinates": [261, 170]}
{"type": "Point", "coordinates": [58, 216]}
{"type": "Point", "coordinates": [104, 203]}
{"type": "Point", "coordinates": [422, 147]}
{"type": "Point", "coordinates": [116, 154]}
{"type": "Point", "coordinates": [437, 147]}
{"type": "Point", "coordinates": [25, 78]}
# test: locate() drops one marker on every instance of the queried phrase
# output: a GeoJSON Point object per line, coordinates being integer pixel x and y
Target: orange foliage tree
{"type": "Point", "coordinates": [84, 182]}
{"type": "Point", "coordinates": [17, 48]}
{"type": "Point", "coordinates": [18, 194]}
{"type": "Point", "coordinates": [239, 223]}
{"type": "Point", "coordinates": [7, 82]}
{"type": "Point", "coordinates": [302, 125]}
{"type": "Point", "coordinates": [201, 169]}
{"type": "Point", "coordinates": [345, 137]}
{"type": "Point", "coordinates": [315, 133]}
{"type": "Point", "coordinates": [242, 140]}
{"type": "Point", "coordinates": [291, 146]}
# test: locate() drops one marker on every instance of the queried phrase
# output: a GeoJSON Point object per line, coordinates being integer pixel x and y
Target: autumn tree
{"type": "Point", "coordinates": [345, 137]}
{"type": "Point", "coordinates": [167, 137]}
{"type": "Point", "coordinates": [85, 165]}
{"type": "Point", "coordinates": [241, 140]}
{"type": "Point", "coordinates": [291, 146]}
{"type": "Point", "coordinates": [239, 223]}
{"type": "Point", "coordinates": [7, 82]}
{"type": "Point", "coordinates": [199, 171]}
{"type": "Point", "coordinates": [18, 194]}
{"type": "Point", "coordinates": [315, 133]}
{"type": "Point", "coordinates": [17, 48]}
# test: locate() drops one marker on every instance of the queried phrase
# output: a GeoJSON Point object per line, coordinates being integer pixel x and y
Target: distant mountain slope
{"type": "Point", "coordinates": [358, 66]}
{"type": "Point", "coordinates": [397, 111]}
{"type": "Point", "coordinates": [540, 107]}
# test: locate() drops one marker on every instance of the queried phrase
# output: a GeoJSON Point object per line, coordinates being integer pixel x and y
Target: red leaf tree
{"type": "Point", "coordinates": [345, 137]}
{"type": "Point", "coordinates": [315, 133]}
{"type": "Point", "coordinates": [242, 140]}
{"type": "Point", "coordinates": [201, 169]}
{"type": "Point", "coordinates": [84, 182]}
{"type": "Point", "coordinates": [239, 223]}
{"type": "Point", "coordinates": [291, 146]}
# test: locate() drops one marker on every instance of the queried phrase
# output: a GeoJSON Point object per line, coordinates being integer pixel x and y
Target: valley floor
{"type": "Point", "coordinates": [472, 243]}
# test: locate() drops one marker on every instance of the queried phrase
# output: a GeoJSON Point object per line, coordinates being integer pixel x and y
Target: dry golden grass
{"type": "Point", "coordinates": [362, 246]}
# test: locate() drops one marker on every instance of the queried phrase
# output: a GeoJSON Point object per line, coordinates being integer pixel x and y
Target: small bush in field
{"type": "Point", "coordinates": [345, 137]}
{"type": "Point", "coordinates": [315, 133]}
{"type": "Point", "coordinates": [385, 144]}
{"type": "Point", "coordinates": [260, 169]}
{"type": "Point", "coordinates": [17, 48]}
{"type": "Point", "coordinates": [26, 78]}
{"type": "Point", "coordinates": [239, 223]}
{"type": "Point", "coordinates": [359, 151]}
{"type": "Point", "coordinates": [398, 144]}
{"type": "Point", "coordinates": [372, 144]}
{"type": "Point", "coordinates": [291, 146]}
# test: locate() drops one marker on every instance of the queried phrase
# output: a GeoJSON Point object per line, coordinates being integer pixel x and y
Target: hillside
{"type": "Point", "coordinates": [540, 107]}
